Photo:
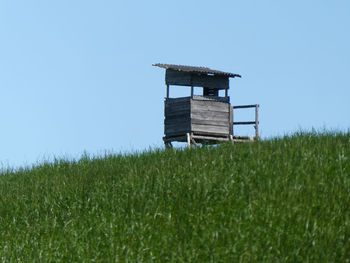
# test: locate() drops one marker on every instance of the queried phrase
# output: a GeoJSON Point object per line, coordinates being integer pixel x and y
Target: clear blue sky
{"type": "Point", "coordinates": [76, 76]}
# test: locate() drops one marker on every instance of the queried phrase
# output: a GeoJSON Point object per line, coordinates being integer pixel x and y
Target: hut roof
{"type": "Point", "coordinates": [198, 70]}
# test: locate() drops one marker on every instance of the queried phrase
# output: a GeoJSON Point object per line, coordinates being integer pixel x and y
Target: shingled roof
{"type": "Point", "coordinates": [199, 70]}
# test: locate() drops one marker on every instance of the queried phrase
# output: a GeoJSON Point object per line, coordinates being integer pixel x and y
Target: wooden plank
{"type": "Point", "coordinates": [180, 125]}
{"type": "Point", "coordinates": [188, 140]}
{"type": "Point", "coordinates": [197, 97]}
{"type": "Point", "coordinates": [169, 112]}
{"type": "Point", "coordinates": [211, 134]}
{"type": "Point", "coordinates": [244, 106]}
{"type": "Point", "coordinates": [242, 137]}
{"type": "Point", "coordinates": [173, 113]}
{"type": "Point", "coordinates": [180, 78]}
{"type": "Point", "coordinates": [210, 138]}
{"type": "Point", "coordinates": [168, 130]}
{"type": "Point", "coordinates": [233, 118]}
{"type": "Point", "coordinates": [211, 122]}
{"type": "Point", "coordinates": [174, 121]}
{"type": "Point", "coordinates": [257, 135]}
{"type": "Point", "coordinates": [176, 108]}
{"type": "Point", "coordinates": [231, 121]}
{"type": "Point", "coordinates": [210, 129]}
{"type": "Point", "coordinates": [177, 114]}
{"type": "Point", "coordinates": [205, 98]}
{"type": "Point", "coordinates": [199, 105]}
{"type": "Point", "coordinates": [198, 138]}
{"type": "Point", "coordinates": [210, 115]}
{"type": "Point", "coordinates": [177, 117]}
{"type": "Point", "coordinates": [216, 82]}
{"type": "Point", "coordinates": [177, 128]}
{"type": "Point", "coordinates": [175, 134]}
{"type": "Point", "coordinates": [243, 122]}
{"type": "Point", "coordinates": [207, 107]}
{"type": "Point", "coordinates": [214, 105]}
{"type": "Point", "coordinates": [210, 108]}
{"type": "Point", "coordinates": [182, 138]}
{"type": "Point", "coordinates": [210, 102]}
{"type": "Point", "coordinates": [177, 104]}
{"type": "Point", "coordinates": [176, 111]}
{"type": "Point", "coordinates": [176, 100]}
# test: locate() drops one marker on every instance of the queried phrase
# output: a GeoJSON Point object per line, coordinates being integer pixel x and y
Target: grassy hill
{"type": "Point", "coordinates": [279, 200]}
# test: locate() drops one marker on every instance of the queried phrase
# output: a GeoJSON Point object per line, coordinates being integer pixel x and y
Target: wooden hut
{"type": "Point", "coordinates": [199, 118]}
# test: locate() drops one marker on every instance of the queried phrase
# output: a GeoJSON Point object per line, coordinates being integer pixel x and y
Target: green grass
{"type": "Point", "coordinates": [279, 200]}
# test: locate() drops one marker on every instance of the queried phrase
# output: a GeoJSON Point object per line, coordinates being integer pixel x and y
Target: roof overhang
{"type": "Point", "coordinates": [198, 70]}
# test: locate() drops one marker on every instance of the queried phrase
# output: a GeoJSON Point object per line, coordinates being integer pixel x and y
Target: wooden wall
{"type": "Point", "coordinates": [177, 116]}
{"type": "Point", "coordinates": [210, 116]}
{"type": "Point", "coordinates": [180, 78]}
{"type": "Point", "coordinates": [197, 115]}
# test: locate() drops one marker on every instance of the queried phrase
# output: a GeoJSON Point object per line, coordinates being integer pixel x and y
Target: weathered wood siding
{"type": "Point", "coordinates": [197, 115]}
{"type": "Point", "coordinates": [180, 78]}
{"type": "Point", "coordinates": [177, 116]}
{"type": "Point", "coordinates": [210, 116]}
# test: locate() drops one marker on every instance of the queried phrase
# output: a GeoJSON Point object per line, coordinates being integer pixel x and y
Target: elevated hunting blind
{"type": "Point", "coordinates": [206, 118]}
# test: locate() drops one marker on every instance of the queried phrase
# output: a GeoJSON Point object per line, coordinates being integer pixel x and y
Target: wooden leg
{"type": "Point", "coordinates": [193, 141]}
{"type": "Point", "coordinates": [257, 135]}
{"type": "Point", "coordinates": [168, 145]}
{"type": "Point", "coordinates": [188, 140]}
{"type": "Point", "coordinates": [231, 139]}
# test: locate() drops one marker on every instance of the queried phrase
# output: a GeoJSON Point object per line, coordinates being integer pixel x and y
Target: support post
{"type": "Point", "coordinates": [188, 140]}
{"type": "Point", "coordinates": [191, 91]}
{"type": "Point", "coordinates": [226, 92]}
{"type": "Point", "coordinates": [257, 135]}
{"type": "Point", "coordinates": [167, 91]}
{"type": "Point", "coordinates": [193, 141]}
{"type": "Point", "coordinates": [232, 119]}
{"type": "Point", "coordinates": [231, 139]}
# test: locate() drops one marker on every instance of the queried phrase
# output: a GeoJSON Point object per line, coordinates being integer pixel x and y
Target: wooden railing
{"type": "Point", "coordinates": [255, 122]}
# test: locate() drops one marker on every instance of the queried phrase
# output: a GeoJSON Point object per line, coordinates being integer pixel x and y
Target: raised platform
{"type": "Point", "coordinates": [193, 139]}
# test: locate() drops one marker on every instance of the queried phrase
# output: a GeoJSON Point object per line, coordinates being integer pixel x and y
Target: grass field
{"type": "Point", "coordinates": [278, 200]}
